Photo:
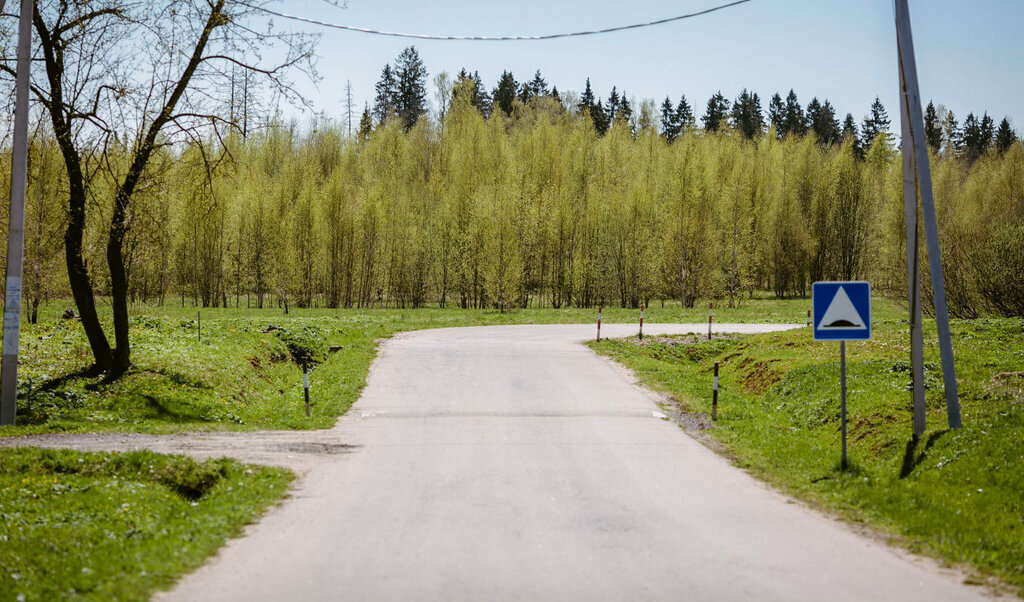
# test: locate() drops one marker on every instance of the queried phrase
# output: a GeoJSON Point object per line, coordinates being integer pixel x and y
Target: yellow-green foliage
{"type": "Point", "coordinates": [536, 209]}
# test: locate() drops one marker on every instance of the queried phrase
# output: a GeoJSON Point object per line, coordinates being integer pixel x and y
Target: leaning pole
{"type": "Point", "coordinates": [917, 177]}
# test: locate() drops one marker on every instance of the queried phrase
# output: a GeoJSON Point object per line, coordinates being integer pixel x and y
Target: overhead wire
{"type": "Point", "coordinates": [518, 38]}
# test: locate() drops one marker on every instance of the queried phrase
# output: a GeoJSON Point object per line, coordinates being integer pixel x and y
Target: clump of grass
{"type": "Point", "coordinates": [118, 526]}
{"type": "Point", "coordinates": [958, 495]}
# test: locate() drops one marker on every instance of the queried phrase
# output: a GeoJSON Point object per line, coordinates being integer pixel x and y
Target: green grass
{"type": "Point", "coordinates": [245, 372]}
{"type": "Point", "coordinates": [118, 526]}
{"type": "Point", "coordinates": [957, 495]}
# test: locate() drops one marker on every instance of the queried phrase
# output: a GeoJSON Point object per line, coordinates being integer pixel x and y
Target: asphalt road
{"type": "Point", "coordinates": [512, 463]}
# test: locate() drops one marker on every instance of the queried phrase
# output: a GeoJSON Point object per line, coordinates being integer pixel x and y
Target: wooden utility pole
{"type": "Point", "coordinates": [16, 233]}
{"type": "Point", "coordinates": [917, 170]}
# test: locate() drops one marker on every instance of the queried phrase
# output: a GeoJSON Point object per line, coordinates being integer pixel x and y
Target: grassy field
{"type": "Point", "coordinates": [245, 371]}
{"type": "Point", "coordinates": [957, 495]}
{"type": "Point", "coordinates": [118, 526]}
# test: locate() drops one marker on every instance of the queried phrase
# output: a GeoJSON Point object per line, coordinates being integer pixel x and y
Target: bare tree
{"type": "Point", "coordinates": [142, 75]}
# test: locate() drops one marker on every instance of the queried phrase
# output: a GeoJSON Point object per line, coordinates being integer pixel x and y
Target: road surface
{"type": "Point", "coordinates": [512, 463]}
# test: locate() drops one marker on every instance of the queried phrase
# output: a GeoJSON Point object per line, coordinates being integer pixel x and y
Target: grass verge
{"type": "Point", "coordinates": [956, 495]}
{"type": "Point", "coordinates": [245, 373]}
{"type": "Point", "coordinates": [118, 526]}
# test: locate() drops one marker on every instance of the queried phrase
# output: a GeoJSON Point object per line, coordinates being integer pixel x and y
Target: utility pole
{"type": "Point", "coordinates": [915, 154]}
{"type": "Point", "coordinates": [16, 233]}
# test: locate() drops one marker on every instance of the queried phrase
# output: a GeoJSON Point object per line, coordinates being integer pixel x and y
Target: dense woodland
{"type": "Point", "coordinates": [523, 196]}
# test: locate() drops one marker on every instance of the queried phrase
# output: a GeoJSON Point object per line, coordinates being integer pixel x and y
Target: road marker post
{"type": "Point", "coordinates": [842, 312]}
{"type": "Point", "coordinates": [714, 396]}
{"type": "Point", "coordinates": [641, 322]}
{"type": "Point", "coordinates": [600, 309]}
{"type": "Point", "coordinates": [711, 310]}
{"type": "Point", "coordinates": [808, 318]}
{"type": "Point", "coordinates": [305, 385]}
{"type": "Point", "coordinates": [199, 325]}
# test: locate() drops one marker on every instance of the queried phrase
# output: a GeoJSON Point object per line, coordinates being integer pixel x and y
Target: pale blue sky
{"type": "Point", "coordinates": [970, 53]}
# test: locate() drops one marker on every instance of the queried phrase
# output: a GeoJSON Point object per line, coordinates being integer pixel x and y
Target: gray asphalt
{"type": "Point", "coordinates": [512, 463]}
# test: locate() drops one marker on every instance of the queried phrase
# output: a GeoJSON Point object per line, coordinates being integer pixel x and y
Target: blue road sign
{"type": "Point", "coordinates": [842, 311]}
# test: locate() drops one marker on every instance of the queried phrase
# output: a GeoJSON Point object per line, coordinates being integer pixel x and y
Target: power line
{"type": "Point", "coordinates": [552, 36]}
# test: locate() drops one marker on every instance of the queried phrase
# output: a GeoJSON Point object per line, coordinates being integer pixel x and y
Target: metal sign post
{"type": "Point", "coordinates": [913, 130]}
{"type": "Point", "coordinates": [16, 233]}
{"type": "Point", "coordinates": [842, 312]}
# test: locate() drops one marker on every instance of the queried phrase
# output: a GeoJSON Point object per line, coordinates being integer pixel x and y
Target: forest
{"type": "Point", "coordinates": [525, 197]}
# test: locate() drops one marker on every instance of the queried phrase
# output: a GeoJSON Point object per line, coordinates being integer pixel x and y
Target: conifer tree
{"type": "Point", "coordinates": [716, 112]}
{"type": "Point", "coordinates": [411, 101]}
{"type": "Point", "coordinates": [684, 114]}
{"type": "Point", "coordinates": [365, 124]}
{"type": "Point", "coordinates": [538, 86]}
{"type": "Point", "coordinates": [850, 133]}
{"type": "Point", "coordinates": [988, 132]}
{"type": "Point", "coordinates": [384, 104]}
{"type": "Point", "coordinates": [612, 106]}
{"type": "Point", "coordinates": [555, 95]}
{"type": "Point", "coordinates": [932, 127]}
{"type": "Point", "coordinates": [794, 122]}
{"type": "Point", "coordinates": [587, 99]}
{"type": "Point", "coordinates": [952, 135]}
{"type": "Point", "coordinates": [625, 111]}
{"type": "Point", "coordinates": [1005, 136]}
{"type": "Point", "coordinates": [746, 115]}
{"type": "Point", "coordinates": [602, 120]}
{"type": "Point", "coordinates": [821, 119]}
{"type": "Point", "coordinates": [505, 94]}
{"type": "Point", "coordinates": [669, 127]}
{"type": "Point", "coordinates": [972, 143]}
{"type": "Point", "coordinates": [777, 115]}
{"type": "Point", "coordinates": [875, 123]}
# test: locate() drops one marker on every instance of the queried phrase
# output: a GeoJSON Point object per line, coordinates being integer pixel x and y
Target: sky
{"type": "Point", "coordinates": [970, 54]}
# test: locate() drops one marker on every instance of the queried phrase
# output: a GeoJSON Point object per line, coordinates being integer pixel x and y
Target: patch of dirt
{"type": "Point", "coordinates": [300, 451]}
{"type": "Point", "coordinates": [1009, 383]}
{"type": "Point", "coordinates": [761, 376]}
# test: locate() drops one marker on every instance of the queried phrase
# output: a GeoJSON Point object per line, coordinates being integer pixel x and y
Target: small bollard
{"type": "Point", "coordinates": [641, 322]}
{"type": "Point", "coordinates": [305, 385]}
{"type": "Point", "coordinates": [808, 318]}
{"type": "Point", "coordinates": [714, 396]}
{"type": "Point", "coordinates": [710, 312]}
{"type": "Point", "coordinates": [599, 310]}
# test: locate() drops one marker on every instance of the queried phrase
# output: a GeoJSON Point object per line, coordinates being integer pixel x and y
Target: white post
{"type": "Point", "coordinates": [16, 233]}
{"type": "Point", "coordinates": [905, 43]}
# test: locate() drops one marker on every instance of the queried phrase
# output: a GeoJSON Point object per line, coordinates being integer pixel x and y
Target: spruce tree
{"type": "Point", "coordinates": [971, 136]}
{"type": "Point", "coordinates": [952, 134]}
{"type": "Point", "coordinates": [1005, 136]}
{"type": "Point", "coordinates": [850, 133]}
{"type": "Point", "coordinates": [411, 102]}
{"type": "Point", "coordinates": [365, 124]}
{"type": "Point", "coordinates": [505, 94]}
{"type": "Point", "coordinates": [612, 107]}
{"type": "Point", "coordinates": [988, 132]}
{"type": "Point", "coordinates": [876, 123]}
{"type": "Point", "coordinates": [482, 100]}
{"type": "Point", "coordinates": [586, 99]}
{"type": "Point", "coordinates": [387, 95]}
{"type": "Point", "coordinates": [538, 85]}
{"type": "Point", "coordinates": [746, 115]}
{"type": "Point", "coordinates": [554, 94]}
{"type": "Point", "coordinates": [794, 122]}
{"type": "Point", "coordinates": [625, 109]}
{"type": "Point", "coordinates": [684, 115]}
{"type": "Point", "coordinates": [777, 115]}
{"type": "Point", "coordinates": [716, 112]}
{"type": "Point", "coordinates": [601, 119]}
{"type": "Point", "coordinates": [669, 128]}
{"type": "Point", "coordinates": [932, 127]}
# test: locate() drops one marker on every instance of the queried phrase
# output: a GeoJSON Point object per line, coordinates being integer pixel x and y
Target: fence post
{"type": "Point", "coordinates": [714, 396]}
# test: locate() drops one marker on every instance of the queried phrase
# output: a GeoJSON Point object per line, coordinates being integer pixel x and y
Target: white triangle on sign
{"type": "Point", "coordinates": [841, 314]}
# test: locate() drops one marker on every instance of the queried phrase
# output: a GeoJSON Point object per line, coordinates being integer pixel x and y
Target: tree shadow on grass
{"type": "Point", "coordinates": [909, 461]}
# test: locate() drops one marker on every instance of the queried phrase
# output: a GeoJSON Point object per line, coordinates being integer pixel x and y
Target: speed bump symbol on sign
{"type": "Point", "coordinates": [842, 311]}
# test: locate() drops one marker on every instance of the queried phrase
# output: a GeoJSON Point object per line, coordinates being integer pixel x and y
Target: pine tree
{"type": "Point", "coordinates": [625, 111]}
{"type": "Point", "coordinates": [505, 94]}
{"type": "Point", "coordinates": [602, 120]}
{"type": "Point", "coordinates": [716, 112]}
{"type": "Point", "coordinates": [777, 115]}
{"type": "Point", "coordinates": [411, 102]}
{"type": "Point", "coordinates": [876, 123]}
{"type": "Point", "coordinates": [538, 86]}
{"type": "Point", "coordinates": [1005, 136]}
{"type": "Point", "coordinates": [821, 119]}
{"type": "Point", "coordinates": [932, 127]}
{"type": "Point", "coordinates": [587, 99]}
{"type": "Point", "coordinates": [387, 95]}
{"type": "Point", "coordinates": [612, 106]}
{"type": "Point", "coordinates": [794, 122]}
